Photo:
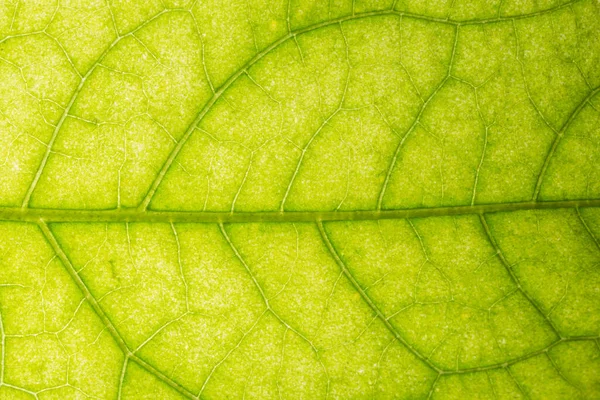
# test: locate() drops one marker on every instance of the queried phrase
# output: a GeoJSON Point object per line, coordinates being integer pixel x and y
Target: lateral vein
{"type": "Point", "coordinates": [51, 239]}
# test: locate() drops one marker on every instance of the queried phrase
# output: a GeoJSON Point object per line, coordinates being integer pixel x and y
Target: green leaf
{"type": "Point", "coordinates": [300, 199]}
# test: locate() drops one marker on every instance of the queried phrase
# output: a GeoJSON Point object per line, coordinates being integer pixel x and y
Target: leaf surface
{"type": "Point", "coordinates": [300, 199]}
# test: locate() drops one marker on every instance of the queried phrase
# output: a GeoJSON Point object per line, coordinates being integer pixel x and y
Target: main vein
{"type": "Point", "coordinates": [134, 215]}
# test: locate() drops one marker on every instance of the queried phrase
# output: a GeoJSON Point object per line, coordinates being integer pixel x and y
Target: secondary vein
{"type": "Point", "coordinates": [110, 327]}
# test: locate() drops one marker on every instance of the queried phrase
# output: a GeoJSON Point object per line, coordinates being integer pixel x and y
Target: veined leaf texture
{"type": "Point", "coordinates": [343, 199]}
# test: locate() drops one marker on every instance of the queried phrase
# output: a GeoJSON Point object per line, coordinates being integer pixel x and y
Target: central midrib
{"type": "Point", "coordinates": [133, 215]}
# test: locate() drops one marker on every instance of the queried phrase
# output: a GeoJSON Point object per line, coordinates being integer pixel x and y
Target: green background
{"type": "Point", "coordinates": [300, 199]}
